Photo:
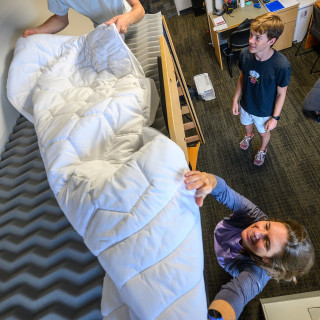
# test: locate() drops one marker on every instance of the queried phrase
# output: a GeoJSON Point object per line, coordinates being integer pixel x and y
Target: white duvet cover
{"type": "Point", "coordinates": [119, 182]}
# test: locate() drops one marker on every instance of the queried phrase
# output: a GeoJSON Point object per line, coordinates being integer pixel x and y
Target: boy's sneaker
{"type": "Point", "coordinates": [244, 144]}
{"type": "Point", "coordinates": [259, 158]}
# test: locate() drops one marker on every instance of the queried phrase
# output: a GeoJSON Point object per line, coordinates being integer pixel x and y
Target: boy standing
{"type": "Point", "coordinates": [262, 85]}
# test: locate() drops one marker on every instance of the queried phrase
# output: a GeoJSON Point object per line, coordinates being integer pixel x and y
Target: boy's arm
{"type": "Point", "coordinates": [280, 98]}
{"type": "Point", "coordinates": [123, 21]}
{"type": "Point", "coordinates": [237, 95]}
{"type": "Point", "coordinates": [53, 25]}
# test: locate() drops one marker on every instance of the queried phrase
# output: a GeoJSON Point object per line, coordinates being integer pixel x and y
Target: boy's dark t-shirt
{"type": "Point", "coordinates": [260, 81]}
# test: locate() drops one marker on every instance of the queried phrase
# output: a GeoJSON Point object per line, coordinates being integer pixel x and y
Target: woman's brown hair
{"type": "Point", "coordinates": [297, 256]}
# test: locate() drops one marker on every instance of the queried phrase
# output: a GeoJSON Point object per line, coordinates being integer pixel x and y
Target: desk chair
{"type": "Point", "coordinates": [313, 32]}
{"type": "Point", "coordinates": [238, 40]}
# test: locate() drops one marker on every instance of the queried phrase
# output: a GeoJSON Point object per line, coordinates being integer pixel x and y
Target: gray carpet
{"type": "Point", "coordinates": [286, 186]}
{"type": "Point", "coordinates": [167, 7]}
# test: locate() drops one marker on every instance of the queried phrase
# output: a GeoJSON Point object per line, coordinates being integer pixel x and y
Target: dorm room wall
{"type": "Point", "coordinates": [16, 16]}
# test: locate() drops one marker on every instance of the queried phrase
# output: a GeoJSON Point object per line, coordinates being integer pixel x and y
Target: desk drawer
{"type": "Point", "coordinates": [288, 15]}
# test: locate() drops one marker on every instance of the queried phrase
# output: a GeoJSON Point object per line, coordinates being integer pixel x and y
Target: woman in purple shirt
{"type": "Point", "coordinates": [250, 246]}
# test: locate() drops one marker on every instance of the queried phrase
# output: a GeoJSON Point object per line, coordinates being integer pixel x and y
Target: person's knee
{"type": "Point", "coordinates": [264, 134]}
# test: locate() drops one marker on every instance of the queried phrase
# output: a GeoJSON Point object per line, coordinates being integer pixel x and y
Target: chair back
{"type": "Point", "coordinates": [240, 38]}
{"type": "Point", "coordinates": [315, 27]}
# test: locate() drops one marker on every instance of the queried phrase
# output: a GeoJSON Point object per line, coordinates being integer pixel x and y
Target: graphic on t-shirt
{"type": "Point", "coordinates": [254, 76]}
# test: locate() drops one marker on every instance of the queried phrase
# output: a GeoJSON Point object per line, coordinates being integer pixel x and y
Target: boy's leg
{"type": "Point", "coordinates": [265, 138]}
{"type": "Point", "coordinates": [246, 120]}
{"type": "Point", "coordinates": [248, 129]}
{"type": "Point", "coordinates": [245, 142]}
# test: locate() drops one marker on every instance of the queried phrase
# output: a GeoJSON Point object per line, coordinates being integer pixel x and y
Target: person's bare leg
{"type": "Point", "coordinates": [265, 138]}
{"type": "Point", "coordinates": [245, 142]}
{"type": "Point", "coordinates": [248, 129]}
{"type": "Point", "coordinates": [261, 155]}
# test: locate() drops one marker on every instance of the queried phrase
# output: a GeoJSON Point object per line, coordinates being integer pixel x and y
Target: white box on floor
{"type": "Point", "coordinates": [301, 306]}
{"type": "Point", "coordinates": [204, 86]}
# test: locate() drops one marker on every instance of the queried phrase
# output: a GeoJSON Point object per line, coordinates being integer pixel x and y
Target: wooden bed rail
{"type": "Point", "coordinates": [175, 86]}
{"type": "Point", "coordinates": [174, 119]}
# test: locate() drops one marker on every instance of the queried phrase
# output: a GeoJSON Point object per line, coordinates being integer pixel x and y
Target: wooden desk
{"type": "Point", "coordinates": [234, 19]}
{"type": "Point", "coordinates": [289, 17]}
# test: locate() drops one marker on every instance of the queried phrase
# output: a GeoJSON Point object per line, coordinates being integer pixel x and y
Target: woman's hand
{"type": "Point", "coordinates": [203, 182]}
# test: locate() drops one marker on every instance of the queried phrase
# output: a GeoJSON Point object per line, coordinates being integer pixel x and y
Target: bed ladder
{"type": "Point", "coordinates": [188, 118]}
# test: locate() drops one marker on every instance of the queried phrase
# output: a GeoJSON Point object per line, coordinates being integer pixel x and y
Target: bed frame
{"type": "Point", "coordinates": [175, 87]}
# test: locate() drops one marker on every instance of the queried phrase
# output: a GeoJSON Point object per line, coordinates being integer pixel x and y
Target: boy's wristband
{"type": "Point", "coordinates": [214, 315]}
{"type": "Point", "coordinates": [275, 118]}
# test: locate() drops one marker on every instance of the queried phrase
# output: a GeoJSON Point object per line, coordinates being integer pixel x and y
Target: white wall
{"type": "Point", "coordinates": [15, 16]}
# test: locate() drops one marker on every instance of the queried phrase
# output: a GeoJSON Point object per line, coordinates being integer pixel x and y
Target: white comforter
{"type": "Point", "coordinates": [119, 182]}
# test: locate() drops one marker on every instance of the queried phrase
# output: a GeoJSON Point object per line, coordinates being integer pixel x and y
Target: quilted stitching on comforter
{"type": "Point", "coordinates": [119, 182]}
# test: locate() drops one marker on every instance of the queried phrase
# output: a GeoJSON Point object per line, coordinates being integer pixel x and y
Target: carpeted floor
{"type": "Point", "coordinates": [167, 7]}
{"type": "Point", "coordinates": [286, 186]}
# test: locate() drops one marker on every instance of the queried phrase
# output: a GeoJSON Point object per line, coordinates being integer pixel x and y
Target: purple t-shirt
{"type": "Point", "coordinates": [226, 242]}
{"type": "Point", "coordinates": [248, 278]}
